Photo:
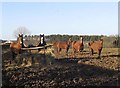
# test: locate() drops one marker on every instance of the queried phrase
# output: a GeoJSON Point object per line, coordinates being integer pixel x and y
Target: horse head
{"type": "Point", "coordinates": [69, 40]}
{"type": "Point", "coordinates": [101, 41]}
{"type": "Point", "coordinates": [81, 39]}
{"type": "Point", "coordinates": [20, 38]}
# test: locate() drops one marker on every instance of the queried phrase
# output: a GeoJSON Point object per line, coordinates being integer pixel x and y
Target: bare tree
{"type": "Point", "coordinates": [21, 30]}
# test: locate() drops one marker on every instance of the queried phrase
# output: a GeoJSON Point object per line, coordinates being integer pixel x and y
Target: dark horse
{"type": "Point", "coordinates": [42, 41]}
{"type": "Point", "coordinates": [15, 47]}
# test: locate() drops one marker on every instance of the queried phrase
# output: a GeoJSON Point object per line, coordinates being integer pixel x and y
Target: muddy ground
{"type": "Point", "coordinates": [60, 71]}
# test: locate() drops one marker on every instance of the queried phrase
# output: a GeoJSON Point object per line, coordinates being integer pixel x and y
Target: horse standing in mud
{"type": "Point", "coordinates": [78, 46]}
{"type": "Point", "coordinates": [96, 46]}
{"type": "Point", "coordinates": [15, 47]}
{"type": "Point", "coordinates": [63, 45]}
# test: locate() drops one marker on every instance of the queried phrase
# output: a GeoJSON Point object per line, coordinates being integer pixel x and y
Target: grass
{"type": "Point", "coordinates": [104, 50]}
{"type": "Point", "coordinates": [110, 50]}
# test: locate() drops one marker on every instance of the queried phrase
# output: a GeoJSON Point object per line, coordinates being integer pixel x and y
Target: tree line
{"type": "Point", "coordinates": [109, 41]}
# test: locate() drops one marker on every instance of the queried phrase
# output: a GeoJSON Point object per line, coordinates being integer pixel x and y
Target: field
{"type": "Point", "coordinates": [53, 70]}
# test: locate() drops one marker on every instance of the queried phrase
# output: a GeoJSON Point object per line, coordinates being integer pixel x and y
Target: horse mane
{"type": "Point", "coordinates": [90, 43]}
{"type": "Point", "coordinates": [74, 42]}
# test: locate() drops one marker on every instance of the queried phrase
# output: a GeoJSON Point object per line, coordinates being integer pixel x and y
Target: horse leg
{"type": "Point", "coordinates": [74, 52]}
{"type": "Point", "coordinates": [38, 50]}
{"type": "Point", "coordinates": [99, 53]}
{"type": "Point", "coordinates": [91, 52]}
{"type": "Point", "coordinates": [13, 57]}
{"type": "Point", "coordinates": [78, 50]}
{"type": "Point", "coordinates": [58, 50]}
{"type": "Point", "coordinates": [67, 51]}
{"type": "Point", "coordinates": [81, 49]}
{"type": "Point", "coordinates": [81, 52]}
{"type": "Point", "coordinates": [17, 54]}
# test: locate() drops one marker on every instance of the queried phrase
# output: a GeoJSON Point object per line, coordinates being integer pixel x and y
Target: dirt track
{"type": "Point", "coordinates": [80, 71]}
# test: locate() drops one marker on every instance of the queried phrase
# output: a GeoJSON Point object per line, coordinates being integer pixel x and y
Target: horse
{"type": "Point", "coordinates": [15, 47]}
{"type": "Point", "coordinates": [78, 46]}
{"type": "Point", "coordinates": [42, 41]}
{"type": "Point", "coordinates": [96, 46]}
{"type": "Point", "coordinates": [63, 45]}
{"type": "Point", "coordinates": [55, 45]}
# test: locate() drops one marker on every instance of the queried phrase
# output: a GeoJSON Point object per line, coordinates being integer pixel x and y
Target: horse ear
{"type": "Point", "coordinates": [81, 37]}
{"type": "Point", "coordinates": [89, 43]}
{"type": "Point", "coordinates": [70, 39]}
{"type": "Point", "coordinates": [101, 39]}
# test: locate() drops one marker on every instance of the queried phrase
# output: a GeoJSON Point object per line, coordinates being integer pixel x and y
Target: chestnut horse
{"type": "Point", "coordinates": [15, 47]}
{"type": "Point", "coordinates": [55, 44]}
{"type": "Point", "coordinates": [96, 46]}
{"type": "Point", "coordinates": [78, 46]}
{"type": "Point", "coordinates": [63, 45]}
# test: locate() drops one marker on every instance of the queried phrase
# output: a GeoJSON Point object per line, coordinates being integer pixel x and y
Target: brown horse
{"type": "Point", "coordinates": [96, 46]}
{"type": "Point", "coordinates": [55, 44]}
{"type": "Point", "coordinates": [63, 45]}
{"type": "Point", "coordinates": [15, 47]}
{"type": "Point", "coordinates": [78, 46]}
